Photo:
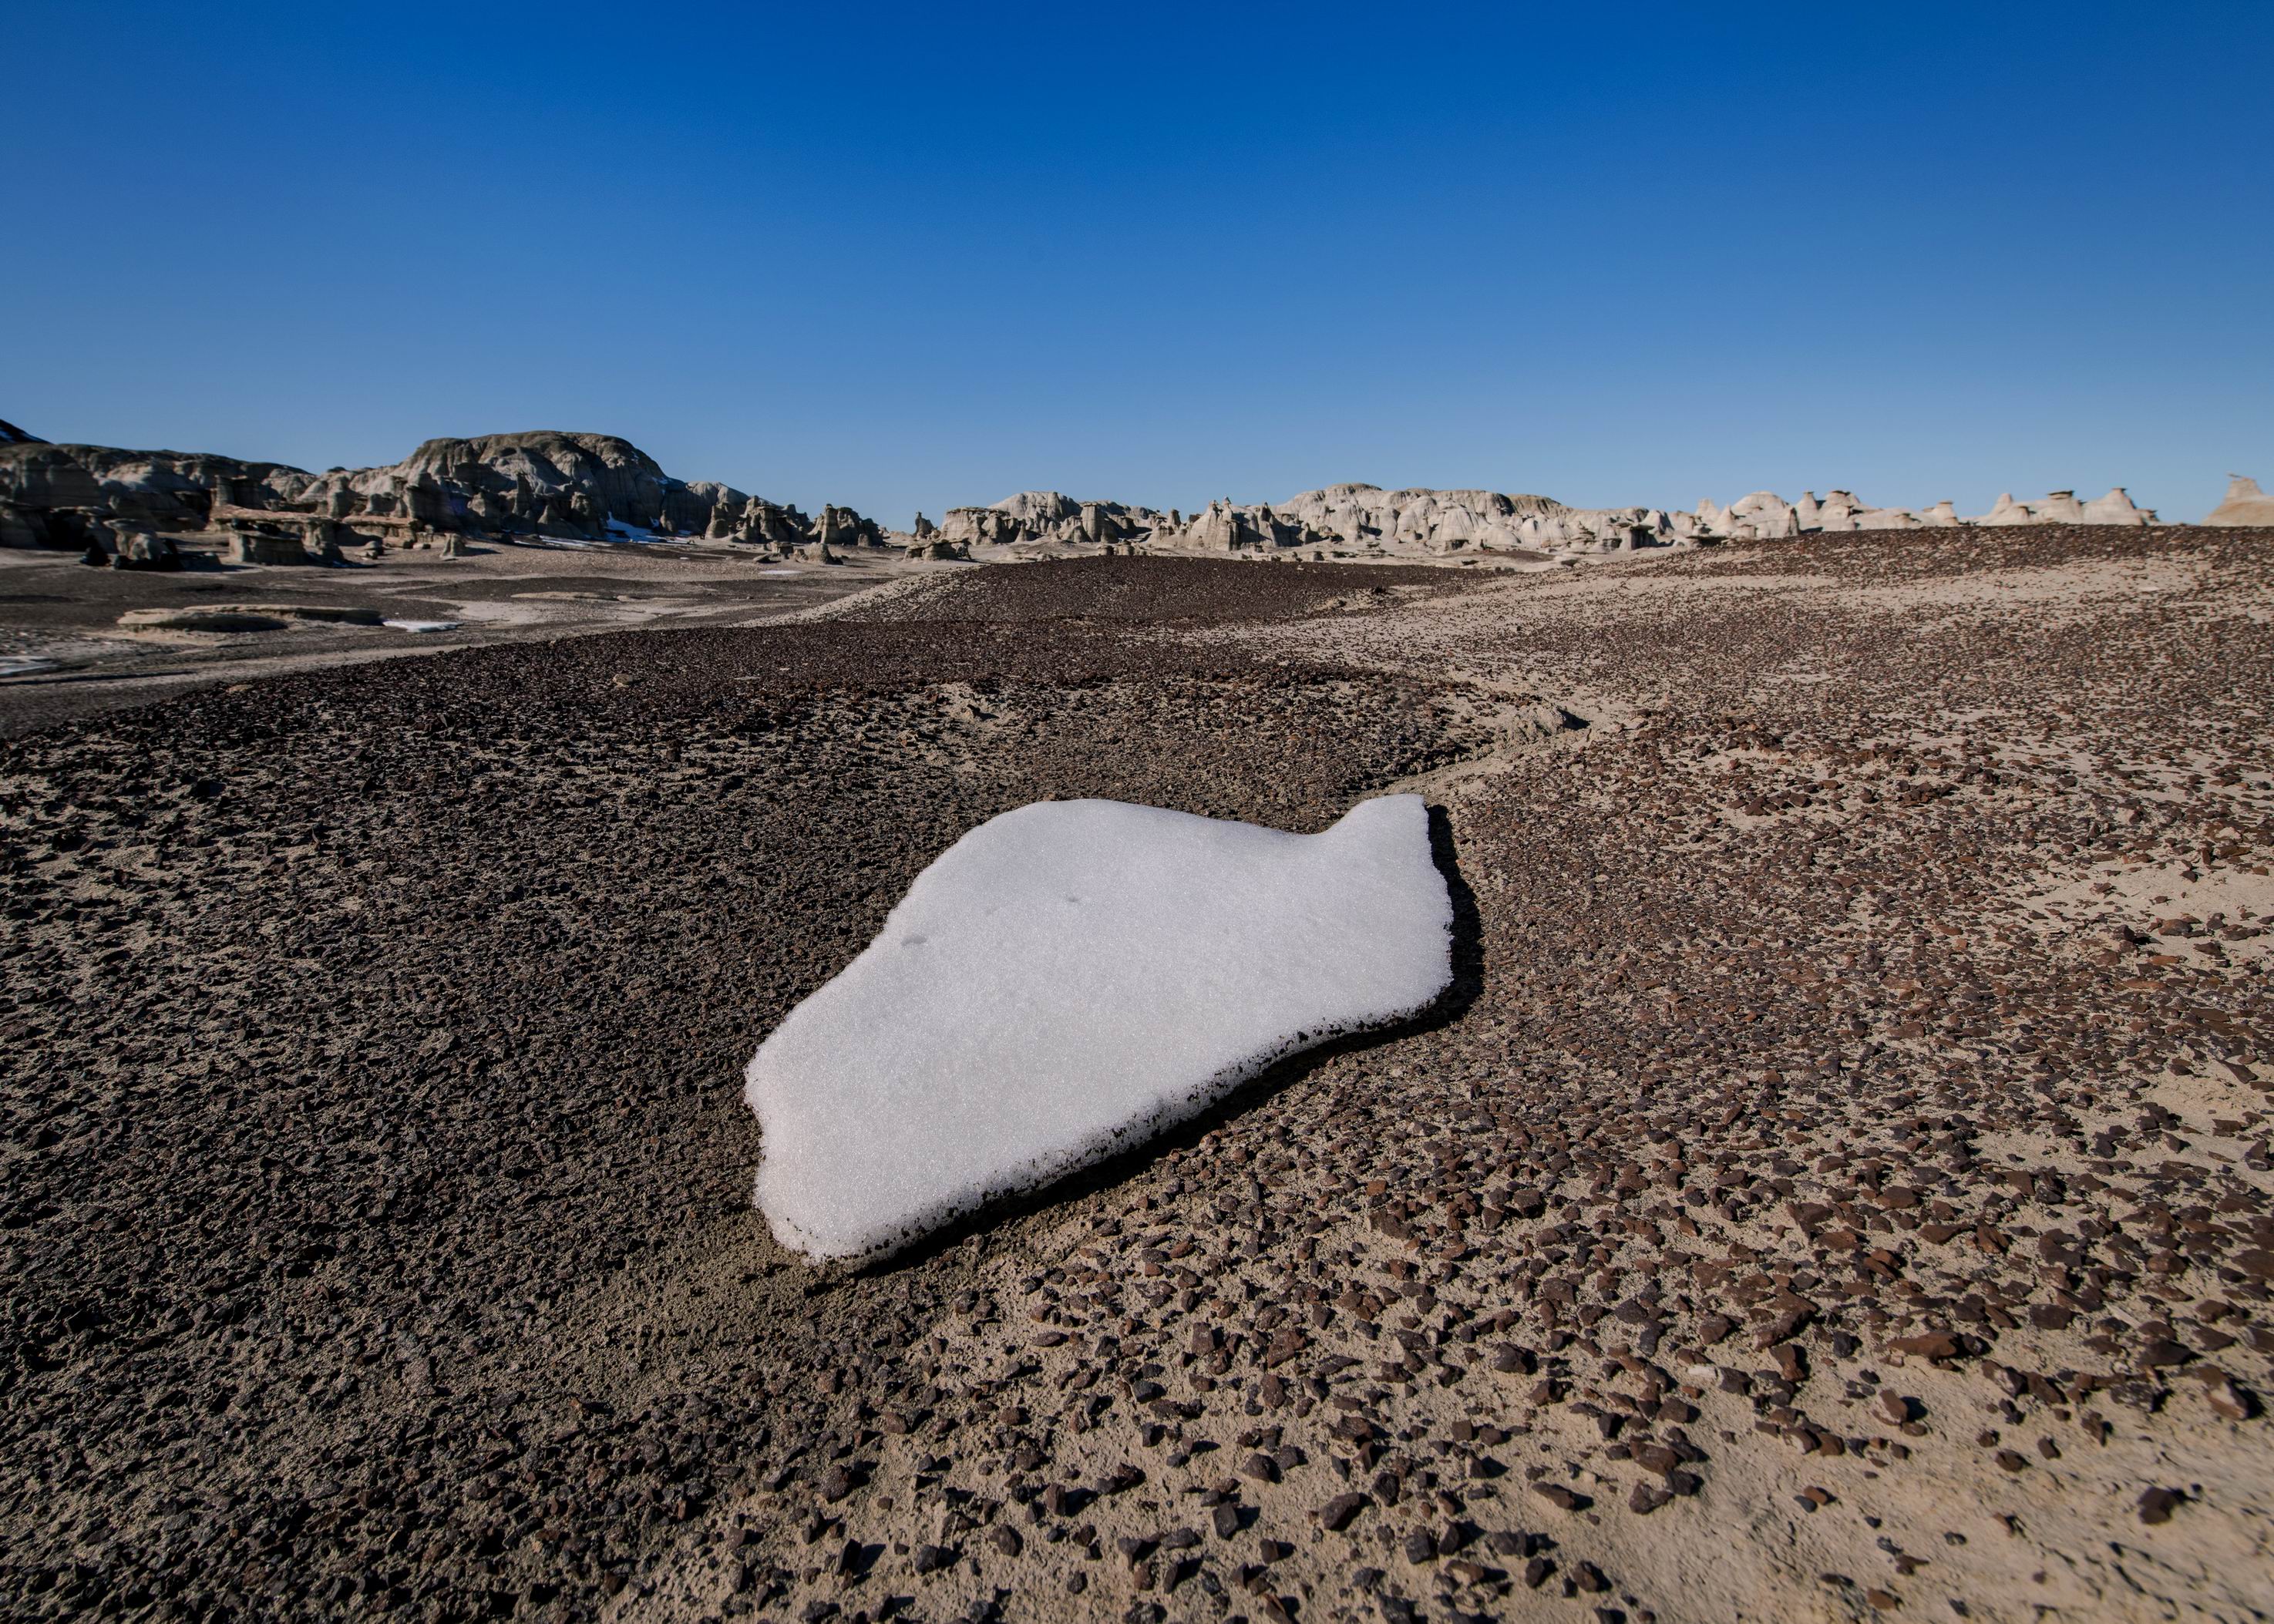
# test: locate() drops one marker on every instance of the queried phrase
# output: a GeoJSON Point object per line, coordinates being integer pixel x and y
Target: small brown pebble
{"type": "Point", "coordinates": [2157, 1505]}
{"type": "Point", "coordinates": [1932, 1345]}
{"type": "Point", "coordinates": [1337, 1513]}
{"type": "Point", "coordinates": [2228, 1401]}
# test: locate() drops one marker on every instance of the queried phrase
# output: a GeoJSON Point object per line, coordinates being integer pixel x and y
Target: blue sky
{"type": "Point", "coordinates": [914, 258]}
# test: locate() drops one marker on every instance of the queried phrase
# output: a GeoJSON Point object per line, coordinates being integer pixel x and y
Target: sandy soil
{"type": "Point", "coordinates": [65, 651]}
{"type": "Point", "coordinates": [1839, 1188]}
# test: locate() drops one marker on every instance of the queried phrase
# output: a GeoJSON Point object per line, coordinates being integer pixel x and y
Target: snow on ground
{"type": "Point", "coordinates": [1068, 979]}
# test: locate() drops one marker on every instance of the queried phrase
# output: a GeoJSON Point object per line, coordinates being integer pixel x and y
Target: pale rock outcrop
{"type": "Point", "coordinates": [1047, 517]}
{"type": "Point", "coordinates": [2005, 510]}
{"type": "Point", "coordinates": [1339, 521]}
{"type": "Point", "coordinates": [1883, 519]}
{"type": "Point", "coordinates": [2114, 508]}
{"type": "Point", "coordinates": [258, 547]}
{"type": "Point", "coordinates": [2244, 505]}
{"type": "Point", "coordinates": [1843, 510]}
{"type": "Point", "coordinates": [143, 549]}
{"type": "Point", "coordinates": [171, 488]}
{"type": "Point", "coordinates": [1837, 511]}
{"type": "Point", "coordinates": [568, 484]}
{"type": "Point", "coordinates": [2062, 508]}
{"type": "Point", "coordinates": [1761, 515]}
{"type": "Point", "coordinates": [1364, 516]}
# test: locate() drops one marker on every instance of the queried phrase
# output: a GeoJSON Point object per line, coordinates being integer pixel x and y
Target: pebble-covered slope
{"type": "Point", "coordinates": [1844, 1189]}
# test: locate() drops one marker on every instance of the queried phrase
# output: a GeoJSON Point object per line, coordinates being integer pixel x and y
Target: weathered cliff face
{"type": "Point", "coordinates": [1361, 521]}
{"type": "Point", "coordinates": [624, 483]}
{"type": "Point", "coordinates": [575, 484]}
{"type": "Point", "coordinates": [2245, 504]}
{"type": "Point", "coordinates": [2062, 508]}
{"type": "Point", "coordinates": [1340, 521]}
{"type": "Point", "coordinates": [1765, 515]}
{"type": "Point", "coordinates": [546, 482]}
{"type": "Point", "coordinates": [1046, 516]}
{"type": "Point", "coordinates": [171, 489]}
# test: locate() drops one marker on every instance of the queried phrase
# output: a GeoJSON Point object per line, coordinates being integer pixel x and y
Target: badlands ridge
{"type": "Point", "coordinates": [118, 505]}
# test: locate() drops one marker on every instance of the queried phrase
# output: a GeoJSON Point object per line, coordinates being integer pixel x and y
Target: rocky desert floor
{"type": "Point", "coordinates": [1839, 1188]}
{"type": "Point", "coordinates": [75, 641]}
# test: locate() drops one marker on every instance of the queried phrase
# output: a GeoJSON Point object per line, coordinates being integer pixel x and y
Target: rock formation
{"type": "Point", "coordinates": [1360, 521]}
{"type": "Point", "coordinates": [595, 487]}
{"type": "Point", "coordinates": [1343, 520]}
{"type": "Point", "coordinates": [2245, 504]}
{"type": "Point", "coordinates": [569, 485]}
{"type": "Point", "coordinates": [2062, 508]}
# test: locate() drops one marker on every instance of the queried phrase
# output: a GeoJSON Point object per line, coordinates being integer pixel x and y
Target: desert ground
{"type": "Point", "coordinates": [1838, 1188]}
{"type": "Point", "coordinates": [74, 641]}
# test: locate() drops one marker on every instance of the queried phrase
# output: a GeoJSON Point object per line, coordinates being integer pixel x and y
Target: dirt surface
{"type": "Point", "coordinates": [73, 642]}
{"type": "Point", "coordinates": [1162, 592]}
{"type": "Point", "coordinates": [1839, 1187]}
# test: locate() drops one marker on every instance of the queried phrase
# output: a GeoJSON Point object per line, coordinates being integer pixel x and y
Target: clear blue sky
{"type": "Point", "coordinates": [915, 257]}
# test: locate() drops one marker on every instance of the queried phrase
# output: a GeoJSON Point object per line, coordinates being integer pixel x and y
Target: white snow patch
{"type": "Point", "coordinates": [422, 626]}
{"type": "Point", "coordinates": [1065, 981]}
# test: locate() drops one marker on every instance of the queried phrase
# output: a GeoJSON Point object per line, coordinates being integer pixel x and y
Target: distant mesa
{"type": "Point", "coordinates": [118, 507]}
{"type": "Point", "coordinates": [2245, 504]}
{"type": "Point", "coordinates": [1365, 521]}
{"type": "Point", "coordinates": [1341, 521]}
{"type": "Point", "coordinates": [544, 485]}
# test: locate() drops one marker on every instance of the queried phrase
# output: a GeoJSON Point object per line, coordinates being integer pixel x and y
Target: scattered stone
{"type": "Point", "coordinates": [2155, 1504]}
{"type": "Point", "coordinates": [1337, 1513]}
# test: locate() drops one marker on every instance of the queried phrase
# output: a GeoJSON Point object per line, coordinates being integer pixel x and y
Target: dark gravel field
{"type": "Point", "coordinates": [1841, 1188]}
